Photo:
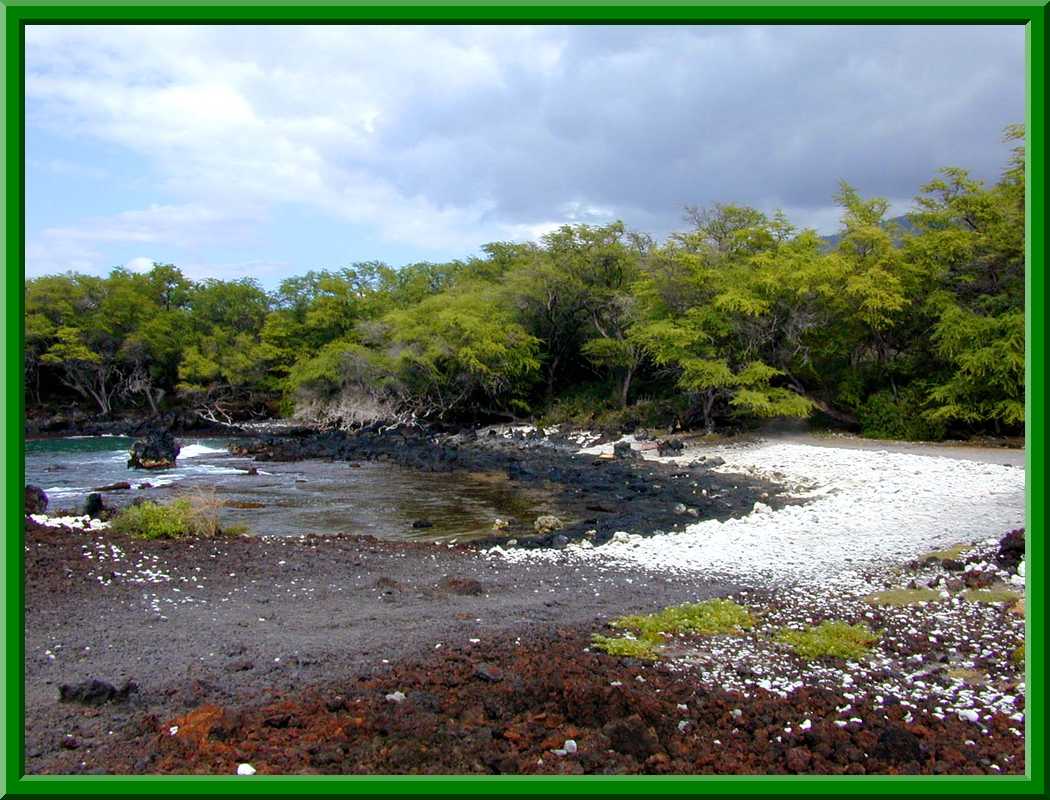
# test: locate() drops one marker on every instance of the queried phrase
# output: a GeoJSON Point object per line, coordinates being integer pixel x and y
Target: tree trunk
{"type": "Point", "coordinates": [550, 377]}
{"type": "Point", "coordinates": [708, 407]}
{"type": "Point", "coordinates": [625, 388]}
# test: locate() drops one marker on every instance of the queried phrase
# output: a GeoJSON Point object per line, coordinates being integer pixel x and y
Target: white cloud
{"type": "Point", "coordinates": [443, 138]}
{"type": "Point", "coordinates": [139, 264]}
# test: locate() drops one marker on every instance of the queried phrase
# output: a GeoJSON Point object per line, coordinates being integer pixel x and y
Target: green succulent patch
{"type": "Point", "coordinates": [648, 631]}
{"type": "Point", "coordinates": [829, 640]}
{"type": "Point", "coordinates": [625, 646]}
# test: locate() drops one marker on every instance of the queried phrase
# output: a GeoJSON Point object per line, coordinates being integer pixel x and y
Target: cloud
{"type": "Point", "coordinates": [140, 264]}
{"type": "Point", "coordinates": [442, 138]}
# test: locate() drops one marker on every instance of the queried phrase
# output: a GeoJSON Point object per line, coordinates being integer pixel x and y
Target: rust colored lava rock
{"type": "Point", "coordinates": [467, 586]}
{"type": "Point", "coordinates": [899, 746]}
{"type": "Point", "coordinates": [488, 672]}
{"type": "Point", "coordinates": [798, 759]}
{"type": "Point", "coordinates": [631, 736]}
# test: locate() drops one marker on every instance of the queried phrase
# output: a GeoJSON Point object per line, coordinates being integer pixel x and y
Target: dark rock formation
{"type": "Point", "coordinates": [158, 450]}
{"type": "Point", "coordinates": [36, 500]}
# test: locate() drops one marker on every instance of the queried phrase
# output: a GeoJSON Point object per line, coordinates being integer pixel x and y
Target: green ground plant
{"type": "Point", "coordinates": [625, 646]}
{"type": "Point", "coordinates": [1018, 656]}
{"type": "Point", "coordinates": [184, 517]}
{"type": "Point", "coordinates": [993, 595]}
{"type": "Point", "coordinates": [829, 639]}
{"type": "Point", "coordinates": [903, 597]}
{"type": "Point", "coordinates": [648, 632]}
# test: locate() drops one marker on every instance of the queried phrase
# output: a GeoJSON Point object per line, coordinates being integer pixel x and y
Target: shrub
{"type": "Point", "coordinates": [178, 519]}
{"type": "Point", "coordinates": [829, 640]}
{"type": "Point", "coordinates": [883, 416]}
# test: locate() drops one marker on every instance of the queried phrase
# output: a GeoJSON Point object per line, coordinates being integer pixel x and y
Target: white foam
{"type": "Point", "coordinates": [195, 450]}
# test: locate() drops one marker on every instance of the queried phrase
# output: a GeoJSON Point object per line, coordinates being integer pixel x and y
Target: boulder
{"type": "Point", "coordinates": [93, 505]}
{"type": "Point", "coordinates": [36, 500]}
{"type": "Point", "coordinates": [119, 486]}
{"type": "Point", "coordinates": [669, 447]}
{"type": "Point", "coordinates": [158, 450]}
{"type": "Point", "coordinates": [1011, 549]}
{"type": "Point", "coordinates": [94, 692]}
{"type": "Point", "coordinates": [624, 450]}
{"type": "Point", "coordinates": [548, 523]}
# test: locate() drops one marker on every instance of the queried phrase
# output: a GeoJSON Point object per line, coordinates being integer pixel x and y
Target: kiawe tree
{"type": "Point", "coordinates": [703, 297]}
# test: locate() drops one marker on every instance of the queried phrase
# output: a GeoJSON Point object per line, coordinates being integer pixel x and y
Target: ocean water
{"type": "Point", "coordinates": [286, 499]}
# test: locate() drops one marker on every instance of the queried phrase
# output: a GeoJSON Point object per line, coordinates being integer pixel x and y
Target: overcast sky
{"type": "Point", "coordinates": [267, 151]}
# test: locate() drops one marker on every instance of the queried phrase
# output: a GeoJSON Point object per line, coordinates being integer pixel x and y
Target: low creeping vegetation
{"type": "Point", "coordinates": [181, 518]}
{"type": "Point", "coordinates": [1018, 656]}
{"type": "Point", "coordinates": [903, 597]}
{"type": "Point", "coordinates": [625, 646]}
{"type": "Point", "coordinates": [647, 631]}
{"type": "Point", "coordinates": [993, 595]}
{"type": "Point", "coordinates": [829, 640]}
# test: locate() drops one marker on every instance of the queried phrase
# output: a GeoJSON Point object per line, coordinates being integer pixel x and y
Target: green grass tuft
{"type": "Point", "coordinates": [1018, 656]}
{"type": "Point", "coordinates": [181, 518]}
{"type": "Point", "coordinates": [829, 640]}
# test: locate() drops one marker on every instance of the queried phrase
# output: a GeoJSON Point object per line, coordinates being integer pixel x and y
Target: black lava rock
{"type": "Point", "coordinates": [158, 450]}
{"type": "Point", "coordinates": [36, 500]}
{"type": "Point", "coordinates": [94, 692]}
{"type": "Point", "coordinates": [1011, 549]}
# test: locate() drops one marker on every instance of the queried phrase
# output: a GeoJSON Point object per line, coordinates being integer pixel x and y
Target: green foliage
{"type": "Point", "coordinates": [1018, 656]}
{"type": "Point", "coordinates": [181, 518]}
{"type": "Point", "coordinates": [883, 416]}
{"type": "Point", "coordinates": [829, 640]}
{"type": "Point", "coordinates": [625, 646]}
{"type": "Point", "coordinates": [912, 332]}
{"type": "Point", "coordinates": [709, 617]}
{"type": "Point", "coordinates": [647, 632]}
{"type": "Point", "coordinates": [987, 358]}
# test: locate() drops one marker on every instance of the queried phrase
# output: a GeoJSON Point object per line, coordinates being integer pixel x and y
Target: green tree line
{"type": "Point", "coordinates": [911, 331]}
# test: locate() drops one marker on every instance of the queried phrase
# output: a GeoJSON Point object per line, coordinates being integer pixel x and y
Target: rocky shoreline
{"type": "Point", "coordinates": [199, 656]}
{"type": "Point", "coordinates": [346, 654]}
{"type": "Point", "coordinates": [601, 496]}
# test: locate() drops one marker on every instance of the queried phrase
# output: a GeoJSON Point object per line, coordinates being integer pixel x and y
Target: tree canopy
{"type": "Point", "coordinates": [911, 331]}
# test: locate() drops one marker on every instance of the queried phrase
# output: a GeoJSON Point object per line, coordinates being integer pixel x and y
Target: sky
{"type": "Point", "coordinates": [264, 152]}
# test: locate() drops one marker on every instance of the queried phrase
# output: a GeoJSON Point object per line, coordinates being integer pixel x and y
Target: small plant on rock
{"type": "Point", "coordinates": [829, 640]}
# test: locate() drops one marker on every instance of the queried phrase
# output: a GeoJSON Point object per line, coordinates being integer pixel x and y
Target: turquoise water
{"type": "Point", "coordinates": [286, 499]}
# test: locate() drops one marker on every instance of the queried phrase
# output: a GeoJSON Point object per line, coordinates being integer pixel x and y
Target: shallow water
{"type": "Point", "coordinates": [288, 499]}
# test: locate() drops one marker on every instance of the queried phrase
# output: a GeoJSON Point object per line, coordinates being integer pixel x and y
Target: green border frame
{"type": "Point", "coordinates": [16, 13]}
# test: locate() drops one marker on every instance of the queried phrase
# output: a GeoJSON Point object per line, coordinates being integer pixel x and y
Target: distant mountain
{"type": "Point", "coordinates": [902, 222]}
